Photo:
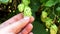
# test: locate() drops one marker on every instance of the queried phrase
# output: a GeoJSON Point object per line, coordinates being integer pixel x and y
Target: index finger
{"type": "Point", "coordinates": [12, 20]}
{"type": "Point", "coordinates": [17, 26]}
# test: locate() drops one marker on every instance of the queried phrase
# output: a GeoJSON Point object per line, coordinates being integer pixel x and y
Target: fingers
{"type": "Point", "coordinates": [17, 26]}
{"type": "Point", "coordinates": [31, 19]}
{"type": "Point", "coordinates": [29, 33]}
{"type": "Point", "coordinates": [12, 20]}
{"type": "Point", "coordinates": [27, 29]}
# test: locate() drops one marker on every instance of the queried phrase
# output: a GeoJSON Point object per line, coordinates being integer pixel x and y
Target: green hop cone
{"type": "Point", "coordinates": [48, 22]}
{"type": "Point", "coordinates": [44, 16]}
{"type": "Point", "coordinates": [27, 11]}
{"type": "Point", "coordinates": [21, 7]}
{"type": "Point", "coordinates": [53, 29]}
{"type": "Point", "coordinates": [26, 2]}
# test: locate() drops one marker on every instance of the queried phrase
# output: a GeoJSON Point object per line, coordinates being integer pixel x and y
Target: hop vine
{"type": "Point", "coordinates": [49, 23]}
{"type": "Point", "coordinates": [24, 8]}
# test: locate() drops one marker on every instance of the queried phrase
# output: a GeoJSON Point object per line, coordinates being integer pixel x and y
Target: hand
{"type": "Point", "coordinates": [17, 25]}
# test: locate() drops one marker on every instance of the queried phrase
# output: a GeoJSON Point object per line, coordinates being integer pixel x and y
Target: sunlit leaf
{"type": "Point", "coordinates": [26, 2]}
{"type": "Point", "coordinates": [4, 1]}
{"type": "Point", "coordinates": [58, 9]}
{"type": "Point", "coordinates": [43, 1]}
{"type": "Point", "coordinates": [50, 3]}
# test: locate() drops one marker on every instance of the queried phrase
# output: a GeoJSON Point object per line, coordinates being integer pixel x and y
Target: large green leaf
{"type": "Point", "coordinates": [57, 12]}
{"type": "Point", "coordinates": [39, 28]}
{"type": "Point", "coordinates": [50, 3]}
{"type": "Point", "coordinates": [58, 9]}
{"type": "Point", "coordinates": [43, 1]}
{"type": "Point", "coordinates": [4, 1]}
{"type": "Point", "coordinates": [58, 1]}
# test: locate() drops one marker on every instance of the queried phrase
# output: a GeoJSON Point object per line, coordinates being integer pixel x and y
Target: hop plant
{"type": "Point", "coordinates": [48, 22]}
{"type": "Point", "coordinates": [26, 2]}
{"type": "Point", "coordinates": [53, 29]}
{"type": "Point", "coordinates": [27, 11]}
{"type": "Point", "coordinates": [21, 7]}
{"type": "Point", "coordinates": [44, 16]}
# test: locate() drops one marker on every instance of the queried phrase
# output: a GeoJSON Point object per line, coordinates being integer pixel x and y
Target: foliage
{"type": "Point", "coordinates": [45, 12]}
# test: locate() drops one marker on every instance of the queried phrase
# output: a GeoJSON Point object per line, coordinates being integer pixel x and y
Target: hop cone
{"type": "Point", "coordinates": [21, 7]}
{"type": "Point", "coordinates": [27, 11]}
{"type": "Point", "coordinates": [44, 16]}
{"type": "Point", "coordinates": [48, 22]}
{"type": "Point", "coordinates": [53, 29]}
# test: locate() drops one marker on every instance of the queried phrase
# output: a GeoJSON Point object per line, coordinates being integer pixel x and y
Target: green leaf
{"type": "Point", "coordinates": [58, 1]}
{"type": "Point", "coordinates": [43, 1]}
{"type": "Point", "coordinates": [50, 3]}
{"type": "Point", "coordinates": [26, 2]}
{"type": "Point", "coordinates": [58, 9]}
{"type": "Point", "coordinates": [4, 1]}
{"type": "Point", "coordinates": [39, 28]}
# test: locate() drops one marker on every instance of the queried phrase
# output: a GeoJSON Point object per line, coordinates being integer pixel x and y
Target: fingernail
{"type": "Point", "coordinates": [31, 33]}
{"type": "Point", "coordinates": [27, 18]}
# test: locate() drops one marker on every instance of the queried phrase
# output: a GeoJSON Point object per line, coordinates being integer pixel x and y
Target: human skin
{"type": "Point", "coordinates": [17, 25]}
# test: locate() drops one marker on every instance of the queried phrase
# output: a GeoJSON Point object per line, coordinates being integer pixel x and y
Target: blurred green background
{"type": "Point", "coordinates": [38, 26]}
